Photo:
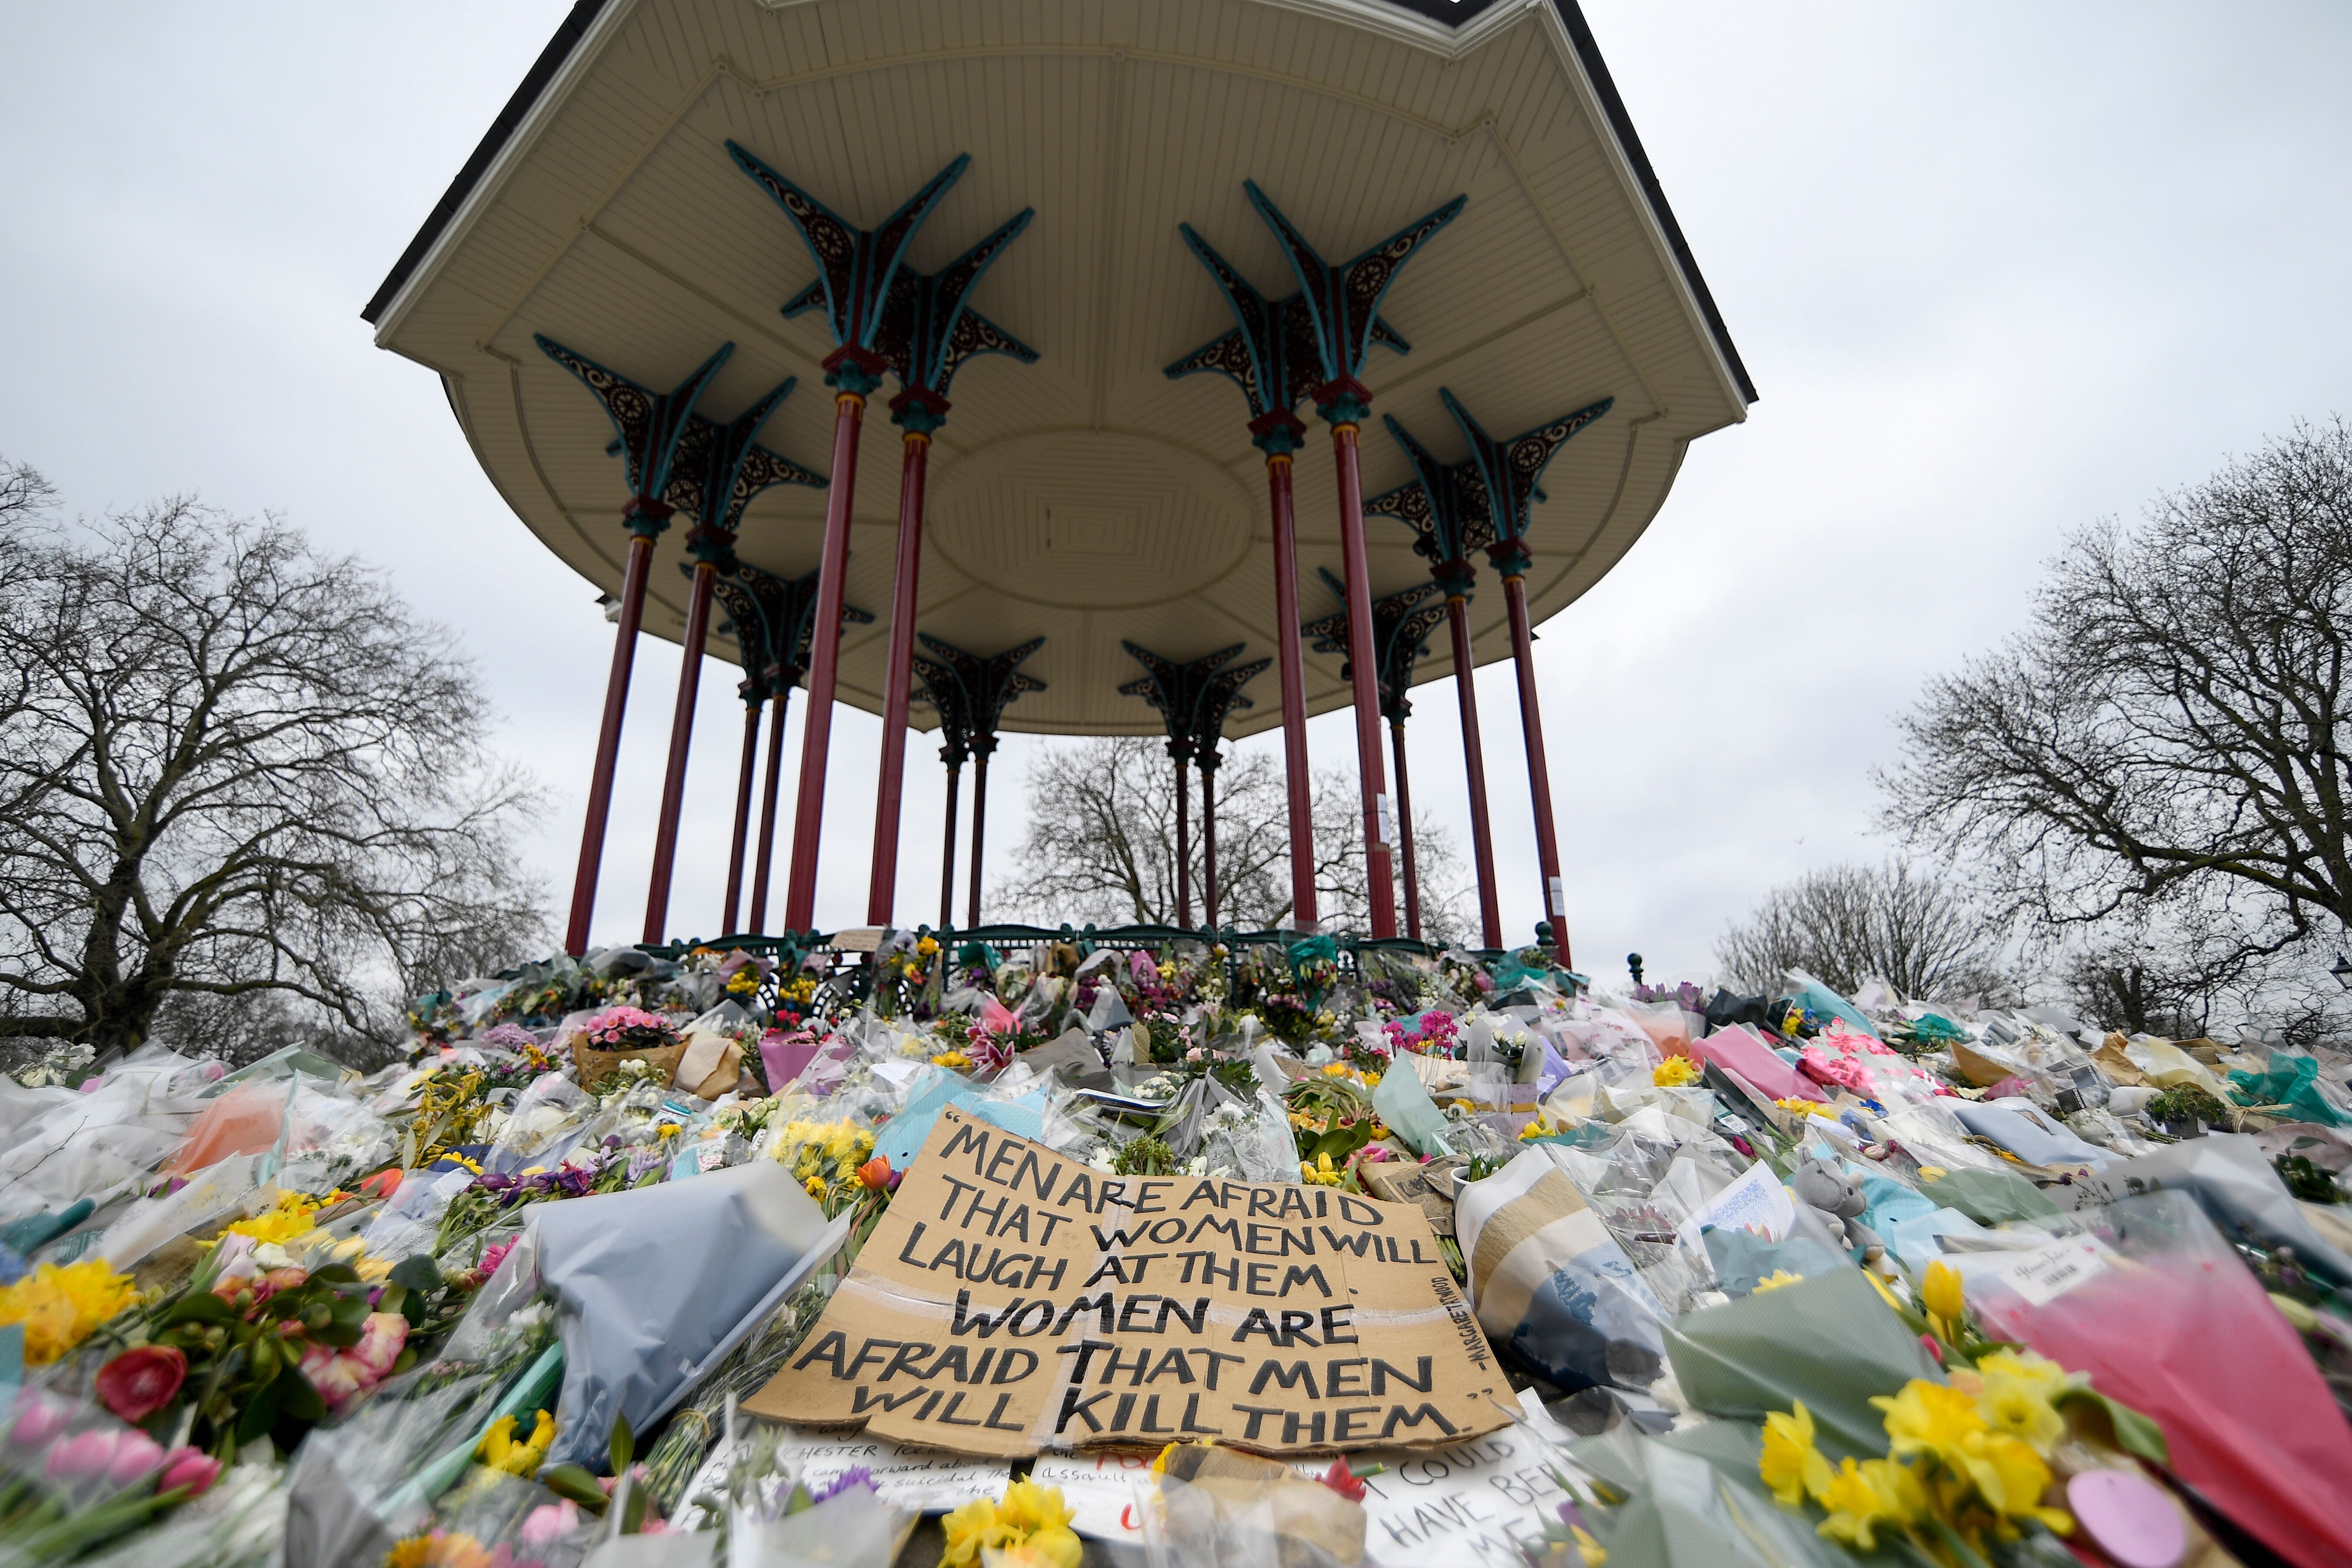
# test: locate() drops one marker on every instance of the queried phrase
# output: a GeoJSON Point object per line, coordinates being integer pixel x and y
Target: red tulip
{"type": "Point", "coordinates": [138, 1382]}
{"type": "Point", "coordinates": [875, 1173]}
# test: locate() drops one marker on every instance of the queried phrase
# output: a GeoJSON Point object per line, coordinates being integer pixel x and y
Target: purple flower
{"type": "Point", "coordinates": [856, 1475]}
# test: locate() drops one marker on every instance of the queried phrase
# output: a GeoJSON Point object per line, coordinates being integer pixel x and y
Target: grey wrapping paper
{"type": "Point", "coordinates": [648, 1283]}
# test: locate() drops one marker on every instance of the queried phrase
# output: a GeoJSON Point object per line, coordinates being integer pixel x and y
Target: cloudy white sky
{"type": "Point", "coordinates": [1997, 271]}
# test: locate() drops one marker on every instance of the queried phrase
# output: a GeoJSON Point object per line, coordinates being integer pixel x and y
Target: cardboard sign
{"type": "Point", "coordinates": [1015, 1303]}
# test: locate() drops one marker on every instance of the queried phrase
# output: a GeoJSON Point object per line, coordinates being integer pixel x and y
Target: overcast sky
{"type": "Point", "coordinates": [1997, 271]}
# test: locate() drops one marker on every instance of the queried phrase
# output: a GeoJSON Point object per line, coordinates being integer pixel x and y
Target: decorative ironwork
{"type": "Point", "coordinates": [855, 266]}
{"type": "Point", "coordinates": [1446, 508]}
{"type": "Point", "coordinates": [647, 426]}
{"type": "Point", "coordinates": [1271, 354]}
{"type": "Point", "coordinates": [1195, 698]}
{"type": "Point", "coordinates": [772, 619]}
{"type": "Point", "coordinates": [971, 690]}
{"type": "Point", "coordinates": [927, 331]}
{"type": "Point", "coordinates": [1343, 302]}
{"type": "Point", "coordinates": [719, 468]}
{"type": "Point", "coordinates": [1508, 470]}
{"type": "Point", "coordinates": [1400, 626]}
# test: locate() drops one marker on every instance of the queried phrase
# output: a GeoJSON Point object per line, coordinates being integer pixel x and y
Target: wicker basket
{"type": "Point", "coordinates": [594, 1066]}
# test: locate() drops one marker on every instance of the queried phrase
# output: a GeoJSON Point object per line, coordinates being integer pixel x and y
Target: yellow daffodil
{"type": "Point", "coordinates": [1774, 1281]}
{"type": "Point", "coordinates": [2020, 1479]}
{"type": "Point", "coordinates": [2016, 1398]}
{"type": "Point", "coordinates": [1941, 1293]}
{"type": "Point", "coordinates": [970, 1530]}
{"type": "Point", "coordinates": [1930, 1418]}
{"type": "Point", "coordinates": [1674, 1072]}
{"type": "Point", "coordinates": [500, 1450]}
{"type": "Point", "coordinates": [1790, 1464]}
{"type": "Point", "coordinates": [1863, 1498]}
{"type": "Point", "coordinates": [62, 1307]}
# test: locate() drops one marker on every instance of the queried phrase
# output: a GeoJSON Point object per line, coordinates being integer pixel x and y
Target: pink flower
{"type": "Point", "coordinates": [190, 1467]}
{"type": "Point", "coordinates": [549, 1521]}
{"type": "Point", "coordinates": [341, 1377]}
{"type": "Point", "coordinates": [38, 1422]}
{"type": "Point", "coordinates": [493, 1256]}
{"type": "Point", "coordinates": [136, 1455]}
{"type": "Point", "coordinates": [80, 1456]}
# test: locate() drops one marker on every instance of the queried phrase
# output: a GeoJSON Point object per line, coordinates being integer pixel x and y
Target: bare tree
{"type": "Point", "coordinates": [240, 768]}
{"type": "Point", "coordinates": [2173, 728]}
{"type": "Point", "coordinates": [1847, 924]}
{"type": "Point", "coordinates": [24, 494]}
{"type": "Point", "coordinates": [1101, 845]}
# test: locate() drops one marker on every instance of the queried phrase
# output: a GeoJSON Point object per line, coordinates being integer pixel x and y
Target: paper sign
{"type": "Point", "coordinates": [1013, 1302]}
{"type": "Point", "coordinates": [1757, 1202]}
{"type": "Point", "coordinates": [1388, 816]}
{"type": "Point", "coordinates": [920, 1478]}
{"type": "Point", "coordinates": [2047, 1273]}
{"type": "Point", "coordinates": [1559, 896]}
{"type": "Point", "coordinates": [1455, 1507]}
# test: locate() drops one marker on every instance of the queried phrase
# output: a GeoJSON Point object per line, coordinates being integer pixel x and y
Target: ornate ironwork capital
{"type": "Point", "coordinates": [853, 372]}
{"type": "Point", "coordinates": [1277, 434]}
{"type": "Point", "coordinates": [1510, 557]}
{"type": "Point", "coordinates": [919, 411]}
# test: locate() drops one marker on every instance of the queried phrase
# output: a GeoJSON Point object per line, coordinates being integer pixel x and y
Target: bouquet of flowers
{"type": "Point", "coordinates": [71, 1478]}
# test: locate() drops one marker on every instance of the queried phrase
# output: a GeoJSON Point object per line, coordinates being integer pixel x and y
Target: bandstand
{"type": "Point", "coordinates": [1109, 265]}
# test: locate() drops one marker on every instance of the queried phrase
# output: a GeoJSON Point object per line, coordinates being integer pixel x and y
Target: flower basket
{"type": "Point", "coordinates": [618, 1035]}
{"type": "Point", "coordinates": [594, 1066]}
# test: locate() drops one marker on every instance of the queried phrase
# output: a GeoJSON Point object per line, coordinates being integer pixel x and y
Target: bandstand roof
{"type": "Point", "coordinates": [1086, 498]}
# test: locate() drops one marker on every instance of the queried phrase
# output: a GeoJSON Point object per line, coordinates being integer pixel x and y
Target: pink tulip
{"type": "Point", "coordinates": [38, 1422]}
{"type": "Point", "coordinates": [190, 1467]}
{"type": "Point", "coordinates": [80, 1456]}
{"type": "Point", "coordinates": [136, 1455]}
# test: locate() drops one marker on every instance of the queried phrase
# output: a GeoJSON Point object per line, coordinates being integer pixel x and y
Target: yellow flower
{"type": "Point", "coordinates": [814, 1186]}
{"type": "Point", "coordinates": [1774, 1281]}
{"type": "Point", "coordinates": [1335, 1070]}
{"type": "Point", "coordinates": [1941, 1294]}
{"type": "Point", "coordinates": [1674, 1072]}
{"type": "Point", "coordinates": [2018, 1478]}
{"type": "Point", "coordinates": [1929, 1418]}
{"type": "Point", "coordinates": [441, 1549]}
{"type": "Point", "coordinates": [2016, 1398]}
{"type": "Point", "coordinates": [62, 1307]}
{"type": "Point", "coordinates": [500, 1451]}
{"type": "Point", "coordinates": [668, 1130]}
{"type": "Point", "coordinates": [928, 946]}
{"type": "Point", "coordinates": [955, 1059]}
{"type": "Point", "coordinates": [1592, 1553]}
{"type": "Point", "coordinates": [281, 1223]}
{"type": "Point", "coordinates": [1790, 1464]}
{"type": "Point", "coordinates": [971, 1528]}
{"type": "Point", "coordinates": [1863, 1497]}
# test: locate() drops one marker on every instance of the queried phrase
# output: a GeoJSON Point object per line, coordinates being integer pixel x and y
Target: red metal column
{"type": "Point", "coordinates": [854, 374]}
{"type": "Point", "coordinates": [948, 852]}
{"type": "Point", "coordinates": [1474, 765]}
{"type": "Point", "coordinates": [1183, 842]}
{"type": "Point", "coordinates": [757, 921]}
{"type": "Point", "coordinates": [681, 739]}
{"type": "Point", "coordinates": [646, 518]}
{"type": "Point", "coordinates": [881, 889]}
{"type": "Point", "coordinates": [979, 825]}
{"type": "Point", "coordinates": [743, 779]}
{"type": "Point", "coordinates": [1404, 832]}
{"type": "Point", "coordinates": [1379, 883]}
{"type": "Point", "coordinates": [1278, 439]}
{"type": "Point", "coordinates": [1523, 653]}
{"type": "Point", "coordinates": [1208, 840]}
